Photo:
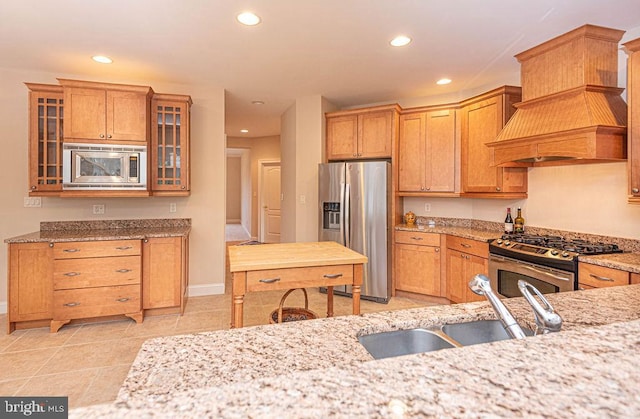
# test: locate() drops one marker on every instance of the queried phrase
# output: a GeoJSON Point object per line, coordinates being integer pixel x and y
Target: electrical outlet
{"type": "Point", "coordinates": [303, 199]}
{"type": "Point", "coordinates": [33, 202]}
{"type": "Point", "coordinates": [98, 209]}
{"type": "Point", "coordinates": [427, 207]}
{"type": "Point", "coordinates": [172, 207]}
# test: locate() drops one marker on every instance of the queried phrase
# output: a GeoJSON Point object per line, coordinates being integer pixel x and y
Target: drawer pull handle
{"type": "Point", "coordinates": [465, 245]}
{"type": "Point", "coordinates": [123, 300]}
{"type": "Point", "coordinates": [72, 274]}
{"type": "Point", "coordinates": [601, 278]}
{"type": "Point", "coordinates": [269, 281]}
{"type": "Point", "coordinates": [416, 238]}
{"type": "Point", "coordinates": [71, 250]}
{"type": "Point", "coordinates": [332, 276]}
{"type": "Point", "coordinates": [123, 271]}
{"type": "Point", "coordinates": [71, 304]}
{"type": "Point", "coordinates": [124, 247]}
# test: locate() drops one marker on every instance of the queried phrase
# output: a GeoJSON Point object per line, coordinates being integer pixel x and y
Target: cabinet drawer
{"type": "Point", "coordinates": [96, 302]}
{"type": "Point", "coordinates": [93, 249]}
{"type": "Point", "coordinates": [317, 276]}
{"type": "Point", "coordinates": [96, 272]}
{"type": "Point", "coordinates": [601, 276]}
{"type": "Point", "coordinates": [473, 247]}
{"type": "Point", "coordinates": [419, 238]}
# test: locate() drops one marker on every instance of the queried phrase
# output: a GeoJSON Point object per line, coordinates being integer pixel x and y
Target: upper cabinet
{"type": "Point", "coordinates": [427, 163]}
{"type": "Point", "coordinates": [633, 120]}
{"type": "Point", "coordinates": [103, 112]}
{"type": "Point", "coordinates": [362, 133]}
{"type": "Point", "coordinates": [483, 117]}
{"type": "Point", "coordinates": [46, 116]}
{"type": "Point", "coordinates": [170, 145]}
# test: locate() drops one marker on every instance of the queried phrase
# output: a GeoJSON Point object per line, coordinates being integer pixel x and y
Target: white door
{"type": "Point", "coordinates": [270, 203]}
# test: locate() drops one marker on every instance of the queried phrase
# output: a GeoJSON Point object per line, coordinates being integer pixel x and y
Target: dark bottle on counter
{"type": "Point", "coordinates": [519, 222]}
{"type": "Point", "coordinates": [508, 222]}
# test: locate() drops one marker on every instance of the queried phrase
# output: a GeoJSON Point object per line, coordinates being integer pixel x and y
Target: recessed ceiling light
{"type": "Point", "coordinates": [244, 131]}
{"type": "Point", "coordinates": [102, 59]}
{"type": "Point", "coordinates": [257, 102]}
{"type": "Point", "coordinates": [443, 81]}
{"type": "Point", "coordinates": [248, 18]}
{"type": "Point", "coordinates": [400, 41]}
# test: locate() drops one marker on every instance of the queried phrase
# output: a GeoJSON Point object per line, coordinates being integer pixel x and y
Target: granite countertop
{"type": "Point", "coordinates": [317, 368]}
{"type": "Point", "coordinates": [629, 262]}
{"type": "Point", "coordinates": [66, 231]}
{"type": "Point", "coordinates": [459, 231]}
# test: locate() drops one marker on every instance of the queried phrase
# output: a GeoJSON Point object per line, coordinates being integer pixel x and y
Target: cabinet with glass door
{"type": "Point", "coordinates": [170, 145]}
{"type": "Point", "coordinates": [45, 139]}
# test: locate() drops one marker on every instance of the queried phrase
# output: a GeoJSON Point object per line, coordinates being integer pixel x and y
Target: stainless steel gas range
{"type": "Point", "coordinates": [550, 263]}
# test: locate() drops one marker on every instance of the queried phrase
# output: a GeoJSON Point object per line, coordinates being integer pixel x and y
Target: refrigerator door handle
{"type": "Point", "coordinates": [346, 215]}
{"type": "Point", "coordinates": [341, 220]}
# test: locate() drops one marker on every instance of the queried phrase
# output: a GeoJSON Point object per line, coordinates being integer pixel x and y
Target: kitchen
{"type": "Point", "coordinates": [573, 200]}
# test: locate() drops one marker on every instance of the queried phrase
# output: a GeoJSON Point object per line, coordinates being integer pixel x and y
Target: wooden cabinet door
{"type": "Point", "coordinates": [170, 145]}
{"type": "Point", "coordinates": [440, 150]}
{"type": "Point", "coordinates": [30, 282]}
{"type": "Point", "coordinates": [455, 276]}
{"type": "Point", "coordinates": [342, 137]}
{"type": "Point", "coordinates": [633, 122]}
{"type": "Point", "coordinates": [85, 110]}
{"type": "Point", "coordinates": [412, 152]}
{"type": "Point", "coordinates": [46, 116]}
{"type": "Point", "coordinates": [162, 272]}
{"type": "Point", "coordinates": [375, 133]}
{"type": "Point", "coordinates": [474, 265]}
{"type": "Point", "coordinates": [126, 116]}
{"type": "Point", "coordinates": [418, 269]}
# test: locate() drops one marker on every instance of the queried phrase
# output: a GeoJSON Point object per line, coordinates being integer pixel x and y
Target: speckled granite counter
{"type": "Point", "coordinates": [66, 231]}
{"type": "Point", "coordinates": [629, 262]}
{"type": "Point", "coordinates": [317, 368]}
{"type": "Point", "coordinates": [464, 232]}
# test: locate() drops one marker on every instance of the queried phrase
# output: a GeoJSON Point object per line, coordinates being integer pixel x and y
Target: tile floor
{"type": "Point", "coordinates": [88, 362]}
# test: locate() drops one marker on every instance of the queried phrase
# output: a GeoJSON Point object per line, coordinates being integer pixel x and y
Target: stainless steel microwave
{"type": "Point", "coordinates": [103, 167]}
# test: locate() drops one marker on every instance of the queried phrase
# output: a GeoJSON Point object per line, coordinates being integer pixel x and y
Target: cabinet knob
{"type": "Point", "coordinates": [355, 155]}
{"type": "Point", "coordinates": [33, 188]}
{"type": "Point", "coordinates": [183, 187]}
{"type": "Point", "coordinates": [437, 249]}
{"type": "Point", "coordinates": [635, 190]}
{"type": "Point", "coordinates": [146, 240]}
{"type": "Point", "coordinates": [50, 244]}
{"type": "Point", "coordinates": [101, 135]}
{"type": "Point", "coordinates": [428, 188]}
{"type": "Point", "coordinates": [109, 136]}
{"type": "Point", "coordinates": [498, 188]}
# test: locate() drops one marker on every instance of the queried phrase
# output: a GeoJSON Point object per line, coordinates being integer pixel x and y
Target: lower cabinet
{"type": "Point", "coordinates": [465, 258]}
{"type": "Point", "coordinates": [596, 276]}
{"type": "Point", "coordinates": [164, 267]}
{"type": "Point", "coordinates": [418, 262]}
{"type": "Point", "coordinates": [51, 284]}
{"type": "Point", "coordinates": [30, 284]}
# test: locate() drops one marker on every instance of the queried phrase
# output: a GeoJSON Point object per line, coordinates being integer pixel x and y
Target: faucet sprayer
{"type": "Point", "coordinates": [547, 320]}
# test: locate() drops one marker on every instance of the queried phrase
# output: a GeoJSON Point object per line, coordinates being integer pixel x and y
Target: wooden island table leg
{"type": "Point", "coordinates": [238, 290]}
{"type": "Point", "coordinates": [330, 301]}
{"type": "Point", "coordinates": [355, 289]}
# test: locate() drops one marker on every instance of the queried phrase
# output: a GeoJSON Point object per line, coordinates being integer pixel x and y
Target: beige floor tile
{"type": "Point", "coordinates": [207, 303]}
{"type": "Point", "coordinates": [203, 321]}
{"type": "Point", "coordinates": [105, 386]}
{"type": "Point", "coordinates": [72, 384]}
{"type": "Point", "coordinates": [8, 340]}
{"type": "Point", "coordinates": [96, 332]}
{"type": "Point", "coordinates": [11, 387]}
{"type": "Point", "coordinates": [153, 326]}
{"type": "Point", "coordinates": [41, 338]}
{"type": "Point", "coordinates": [93, 355]}
{"type": "Point", "coordinates": [24, 364]}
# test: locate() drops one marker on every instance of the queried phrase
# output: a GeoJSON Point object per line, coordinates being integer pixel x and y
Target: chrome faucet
{"type": "Point", "coordinates": [547, 320]}
{"type": "Point", "coordinates": [481, 286]}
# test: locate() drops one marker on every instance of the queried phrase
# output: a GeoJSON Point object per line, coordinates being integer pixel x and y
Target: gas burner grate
{"type": "Point", "coordinates": [580, 246]}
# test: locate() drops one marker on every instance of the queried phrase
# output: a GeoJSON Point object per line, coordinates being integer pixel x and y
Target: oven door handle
{"type": "Point", "coordinates": [531, 268]}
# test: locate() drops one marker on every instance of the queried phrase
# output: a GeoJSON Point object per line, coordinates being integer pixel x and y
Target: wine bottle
{"type": "Point", "coordinates": [508, 222]}
{"type": "Point", "coordinates": [519, 222]}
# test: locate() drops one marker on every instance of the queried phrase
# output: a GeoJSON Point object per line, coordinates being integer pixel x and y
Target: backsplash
{"type": "Point", "coordinates": [628, 245]}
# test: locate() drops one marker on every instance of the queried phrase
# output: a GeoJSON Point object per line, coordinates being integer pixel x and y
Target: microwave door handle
{"type": "Point", "coordinates": [531, 268]}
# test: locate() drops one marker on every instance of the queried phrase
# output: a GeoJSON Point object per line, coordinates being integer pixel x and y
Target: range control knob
{"type": "Point", "coordinates": [507, 243]}
{"type": "Point", "coordinates": [565, 255]}
{"type": "Point", "coordinates": [554, 252]}
{"type": "Point", "coordinates": [499, 241]}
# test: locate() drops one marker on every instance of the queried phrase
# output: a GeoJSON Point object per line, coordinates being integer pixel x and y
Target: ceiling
{"type": "Point", "coordinates": [335, 48]}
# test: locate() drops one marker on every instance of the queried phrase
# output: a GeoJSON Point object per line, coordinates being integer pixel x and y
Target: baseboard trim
{"type": "Point", "coordinates": [201, 290]}
{"type": "Point", "coordinates": [3, 307]}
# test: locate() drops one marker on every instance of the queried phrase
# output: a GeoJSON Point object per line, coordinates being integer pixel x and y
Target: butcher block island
{"type": "Point", "coordinates": [267, 267]}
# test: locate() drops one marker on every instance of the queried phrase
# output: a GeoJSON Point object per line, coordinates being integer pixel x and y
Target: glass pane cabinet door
{"type": "Point", "coordinates": [170, 145]}
{"type": "Point", "coordinates": [45, 140]}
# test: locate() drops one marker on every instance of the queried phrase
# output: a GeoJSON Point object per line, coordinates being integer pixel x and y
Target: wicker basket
{"type": "Point", "coordinates": [291, 314]}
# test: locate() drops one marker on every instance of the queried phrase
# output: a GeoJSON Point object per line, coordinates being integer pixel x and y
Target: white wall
{"type": "Point", "coordinates": [204, 206]}
{"type": "Point", "coordinates": [288, 175]}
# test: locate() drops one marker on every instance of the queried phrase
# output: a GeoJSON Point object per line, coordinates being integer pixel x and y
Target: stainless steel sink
{"type": "Point", "coordinates": [413, 341]}
{"type": "Point", "coordinates": [403, 342]}
{"type": "Point", "coordinates": [479, 331]}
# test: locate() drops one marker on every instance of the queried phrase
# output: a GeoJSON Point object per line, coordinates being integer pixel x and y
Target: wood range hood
{"type": "Point", "coordinates": [571, 110]}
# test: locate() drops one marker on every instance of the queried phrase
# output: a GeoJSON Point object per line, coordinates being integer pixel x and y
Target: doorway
{"type": "Point", "coordinates": [269, 201]}
{"type": "Point", "coordinates": [238, 195]}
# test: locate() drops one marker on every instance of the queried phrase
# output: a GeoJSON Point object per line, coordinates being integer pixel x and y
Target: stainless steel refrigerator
{"type": "Point", "coordinates": [354, 211]}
